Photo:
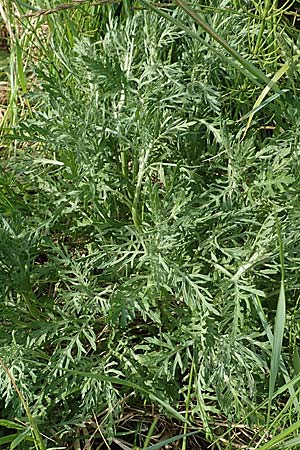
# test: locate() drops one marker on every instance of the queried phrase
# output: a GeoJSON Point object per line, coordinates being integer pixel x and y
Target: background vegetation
{"type": "Point", "coordinates": [149, 233]}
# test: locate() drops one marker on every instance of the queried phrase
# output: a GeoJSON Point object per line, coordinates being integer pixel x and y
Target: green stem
{"type": "Point", "coordinates": [262, 27]}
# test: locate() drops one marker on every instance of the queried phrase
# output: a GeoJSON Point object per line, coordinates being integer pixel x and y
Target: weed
{"type": "Point", "coordinates": [140, 222]}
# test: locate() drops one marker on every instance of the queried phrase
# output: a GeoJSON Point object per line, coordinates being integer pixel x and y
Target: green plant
{"type": "Point", "coordinates": [139, 225]}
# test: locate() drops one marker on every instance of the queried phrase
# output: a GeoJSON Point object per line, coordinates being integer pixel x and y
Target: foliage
{"type": "Point", "coordinates": [140, 224]}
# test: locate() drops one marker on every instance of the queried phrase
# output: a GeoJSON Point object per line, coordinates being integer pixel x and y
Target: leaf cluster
{"type": "Point", "coordinates": [138, 228]}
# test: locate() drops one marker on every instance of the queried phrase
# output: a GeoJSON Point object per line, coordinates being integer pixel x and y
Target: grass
{"type": "Point", "coordinates": [149, 226]}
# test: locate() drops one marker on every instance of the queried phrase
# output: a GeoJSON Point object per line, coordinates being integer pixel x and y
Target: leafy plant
{"type": "Point", "coordinates": [139, 229]}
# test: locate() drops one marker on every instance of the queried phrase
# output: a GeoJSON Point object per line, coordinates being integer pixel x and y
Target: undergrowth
{"type": "Point", "coordinates": [139, 226]}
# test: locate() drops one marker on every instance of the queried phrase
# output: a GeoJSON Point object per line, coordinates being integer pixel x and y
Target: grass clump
{"type": "Point", "coordinates": [142, 231]}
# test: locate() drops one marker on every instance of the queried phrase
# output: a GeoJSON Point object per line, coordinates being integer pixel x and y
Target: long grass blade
{"type": "Point", "coordinates": [289, 383]}
{"type": "Point", "coordinates": [279, 325]}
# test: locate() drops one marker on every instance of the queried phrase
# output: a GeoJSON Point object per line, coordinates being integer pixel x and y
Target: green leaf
{"type": "Point", "coordinates": [170, 440]}
{"type": "Point", "coordinates": [279, 325]}
{"type": "Point", "coordinates": [9, 424]}
{"type": "Point", "coordinates": [19, 439]}
{"type": "Point", "coordinates": [280, 437]}
{"type": "Point", "coordinates": [289, 383]}
{"type": "Point", "coordinates": [20, 68]}
{"type": "Point", "coordinates": [290, 443]}
{"type": "Point", "coordinates": [296, 360]}
{"type": "Point", "coordinates": [277, 341]}
{"type": "Point", "coordinates": [7, 439]}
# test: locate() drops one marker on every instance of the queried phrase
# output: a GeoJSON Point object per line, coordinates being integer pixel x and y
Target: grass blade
{"type": "Point", "coordinates": [290, 443]}
{"type": "Point", "coordinates": [259, 102]}
{"type": "Point", "coordinates": [19, 439]}
{"type": "Point", "coordinates": [279, 325]}
{"type": "Point", "coordinates": [150, 433]}
{"type": "Point", "coordinates": [289, 383]}
{"type": "Point", "coordinates": [280, 437]}
{"type": "Point", "coordinates": [171, 440]}
{"type": "Point", "coordinates": [8, 439]}
{"type": "Point", "coordinates": [20, 68]}
{"type": "Point", "coordinates": [10, 424]}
